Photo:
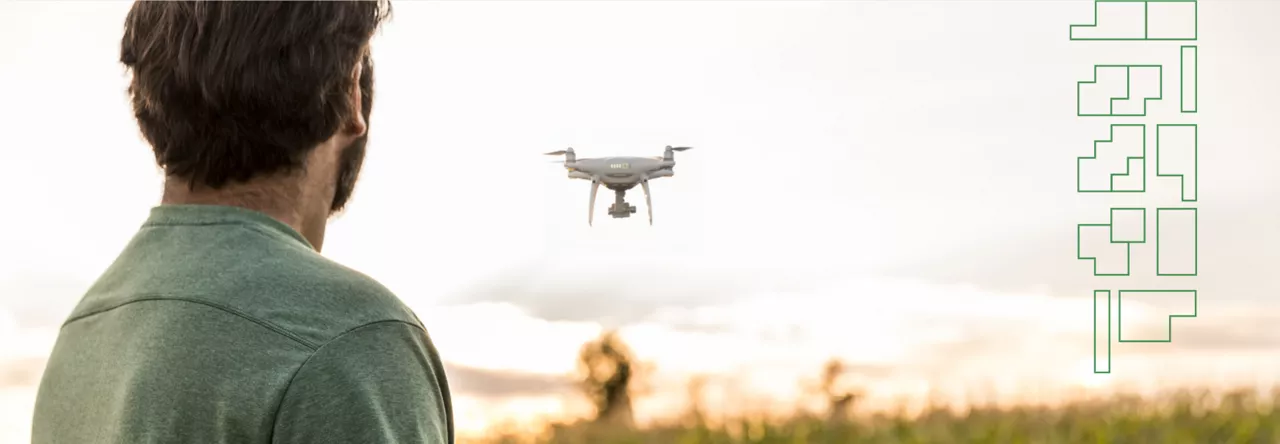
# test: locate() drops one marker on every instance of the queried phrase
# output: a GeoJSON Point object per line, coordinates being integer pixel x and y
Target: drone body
{"type": "Point", "coordinates": [620, 174]}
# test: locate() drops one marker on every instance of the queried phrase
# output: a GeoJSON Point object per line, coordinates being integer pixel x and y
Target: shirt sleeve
{"type": "Point", "coordinates": [379, 384]}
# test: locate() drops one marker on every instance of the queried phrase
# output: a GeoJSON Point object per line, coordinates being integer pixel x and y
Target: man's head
{"type": "Point", "coordinates": [270, 99]}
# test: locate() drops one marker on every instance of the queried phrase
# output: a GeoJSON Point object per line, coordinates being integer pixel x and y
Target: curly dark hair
{"type": "Point", "coordinates": [226, 91]}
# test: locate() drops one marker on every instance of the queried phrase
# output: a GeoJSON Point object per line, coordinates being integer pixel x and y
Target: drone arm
{"type": "Point", "coordinates": [660, 173]}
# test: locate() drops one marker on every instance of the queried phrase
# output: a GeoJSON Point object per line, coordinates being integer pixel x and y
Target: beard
{"type": "Point", "coordinates": [349, 163]}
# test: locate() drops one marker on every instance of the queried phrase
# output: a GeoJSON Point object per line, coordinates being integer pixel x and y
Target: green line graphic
{"type": "Point", "coordinates": [1128, 162]}
{"type": "Point", "coordinates": [1177, 151]}
{"type": "Point", "coordinates": [1180, 15]}
{"type": "Point", "coordinates": [1106, 367]}
{"type": "Point", "coordinates": [1189, 61]}
{"type": "Point", "coordinates": [1128, 239]}
{"type": "Point", "coordinates": [1169, 331]}
{"type": "Point", "coordinates": [1128, 83]}
{"type": "Point", "coordinates": [1183, 182]}
{"type": "Point", "coordinates": [1163, 213]}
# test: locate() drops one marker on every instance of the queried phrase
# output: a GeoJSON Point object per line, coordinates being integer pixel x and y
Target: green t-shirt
{"type": "Point", "coordinates": [222, 325]}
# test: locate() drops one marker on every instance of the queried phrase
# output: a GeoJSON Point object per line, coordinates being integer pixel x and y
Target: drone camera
{"type": "Point", "coordinates": [621, 211]}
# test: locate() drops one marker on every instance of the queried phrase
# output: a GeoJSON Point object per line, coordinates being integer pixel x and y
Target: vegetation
{"type": "Point", "coordinates": [1187, 416]}
{"type": "Point", "coordinates": [608, 370]}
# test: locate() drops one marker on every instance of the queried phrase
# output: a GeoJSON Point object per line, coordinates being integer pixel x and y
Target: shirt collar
{"type": "Point", "coordinates": [187, 214]}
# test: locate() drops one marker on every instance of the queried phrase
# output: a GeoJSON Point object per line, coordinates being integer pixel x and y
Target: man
{"type": "Point", "coordinates": [220, 322]}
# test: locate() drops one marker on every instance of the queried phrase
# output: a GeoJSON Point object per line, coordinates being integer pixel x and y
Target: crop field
{"type": "Point", "coordinates": [1189, 416]}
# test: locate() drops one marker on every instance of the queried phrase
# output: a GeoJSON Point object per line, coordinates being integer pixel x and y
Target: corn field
{"type": "Point", "coordinates": [1191, 417]}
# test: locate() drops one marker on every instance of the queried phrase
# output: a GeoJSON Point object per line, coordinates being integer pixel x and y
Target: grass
{"type": "Point", "coordinates": [1192, 417]}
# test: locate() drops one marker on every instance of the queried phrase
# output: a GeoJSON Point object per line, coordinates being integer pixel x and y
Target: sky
{"type": "Point", "coordinates": [892, 183]}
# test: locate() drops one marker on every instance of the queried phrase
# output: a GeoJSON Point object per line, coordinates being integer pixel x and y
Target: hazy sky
{"type": "Point", "coordinates": [890, 182]}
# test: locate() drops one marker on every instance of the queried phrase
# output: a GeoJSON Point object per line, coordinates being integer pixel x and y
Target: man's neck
{"type": "Point", "coordinates": [283, 198]}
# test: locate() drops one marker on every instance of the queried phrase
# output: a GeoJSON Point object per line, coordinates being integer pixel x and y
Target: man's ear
{"type": "Point", "coordinates": [356, 126]}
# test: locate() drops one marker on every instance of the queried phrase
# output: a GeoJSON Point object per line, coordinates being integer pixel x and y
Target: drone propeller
{"type": "Point", "coordinates": [679, 148]}
{"type": "Point", "coordinates": [557, 153]}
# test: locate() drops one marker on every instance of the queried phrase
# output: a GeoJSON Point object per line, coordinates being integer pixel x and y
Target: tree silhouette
{"type": "Point", "coordinates": [697, 412]}
{"type": "Point", "coordinates": [608, 369]}
{"type": "Point", "coordinates": [840, 400]}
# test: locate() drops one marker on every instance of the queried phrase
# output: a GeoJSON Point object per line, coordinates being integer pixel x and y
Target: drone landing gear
{"type": "Point", "coordinates": [620, 207]}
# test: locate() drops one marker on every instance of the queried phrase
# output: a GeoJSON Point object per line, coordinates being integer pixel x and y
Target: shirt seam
{"type": "Point", "coordinates": [268, 325]}
{"type": "Point", "coordinates": [275, 417]}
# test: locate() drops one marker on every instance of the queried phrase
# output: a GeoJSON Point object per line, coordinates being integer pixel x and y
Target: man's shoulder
{"type": "Point", "coordinates": [319, 299]}
{"type": "Point", "coordinates": [282, 284]}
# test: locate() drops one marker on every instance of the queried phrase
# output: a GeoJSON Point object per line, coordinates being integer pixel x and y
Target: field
{"type": "Point", "coordinates": [1198, 417]}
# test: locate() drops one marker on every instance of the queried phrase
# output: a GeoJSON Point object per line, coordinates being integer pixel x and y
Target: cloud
{"type": "Point", "coordinates": [23, 372]}
{"type": "Point", "coordinates": [1244, 329]}
{"type": "Point", "coordinates": [627, 289]}
{"type": "Point", "coordinates": [40, 299]}
{"type": "Point", "coordinates": [613, 292]}
{"type": "Point", "coordinates": [1235, 341]}
{"type": "Point", "coordinates": [23, 351]}
{"type": "Point", "coordinates": [487, 383]}
{"type": "Point", "coordinates": [1235, 254]}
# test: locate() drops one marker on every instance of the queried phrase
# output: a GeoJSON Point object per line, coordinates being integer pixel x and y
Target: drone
{"type": "Point", "coordinates": [620, 174]}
